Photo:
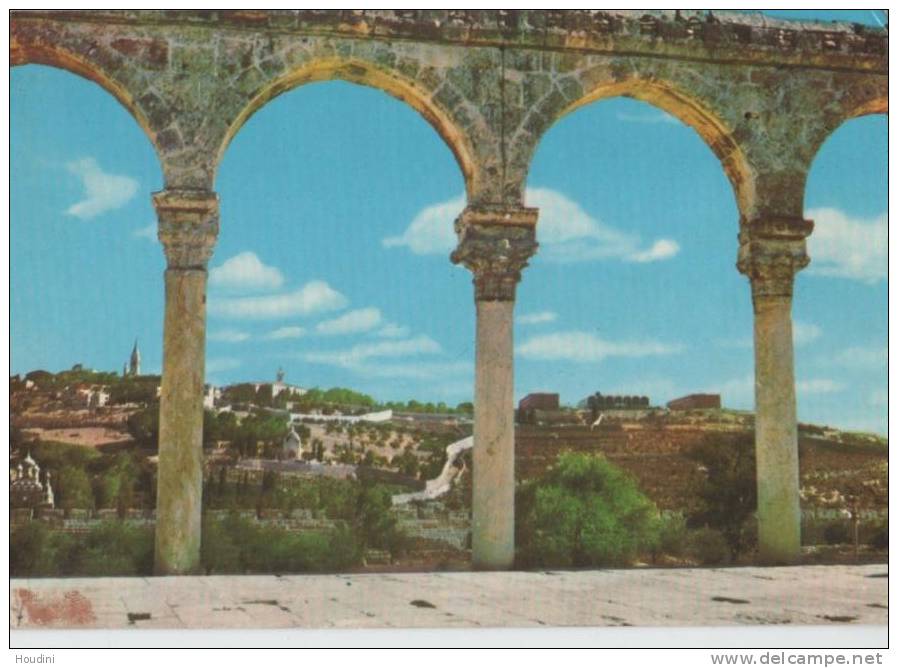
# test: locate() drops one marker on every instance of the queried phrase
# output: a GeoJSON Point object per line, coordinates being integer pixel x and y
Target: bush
{"type": "Point", "coordinates": [709, 547]}
{"type": "Point", "coordinates": [837, 533]}
{"type": "Point", "coordinates": [238, 545]}
{"type": "Point", "coordinates": [583, 511]}
{"type": "Point", "coordinates": [671, 536]}
{"type": "Point", "coordinates": [880, 537]}
{"type": "Point", "coordinates": [728, 495]}
{"type": "Point", "coordinates": [111, 549]}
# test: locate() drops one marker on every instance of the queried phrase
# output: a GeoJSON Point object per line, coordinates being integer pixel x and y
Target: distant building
{"type": "Point", "coordinates": [25, 487]}
{"type": "Point", "coordinates": [537, 401]}
{"type": "Point", "coordinates": [132, 366]}
{"type": "Point", "coordinates": [211, 396]}
{"type": "Point", "coordinates": [292, 445]}
{"type": "Point", "coordinates": [692, 401]}
{"type": "Point", "coordinates": [599, 402]}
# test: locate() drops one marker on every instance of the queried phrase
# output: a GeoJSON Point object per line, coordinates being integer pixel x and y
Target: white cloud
{"type": "Point", "coordinates": [393, 331]}
{"type": "Point", "coordinates": [229, 336]}
{"type": "Point", "coordinates": [245, 271]}
{"type": "Point", "coordinates": [431, 371]}
{"type": "Point", "coordinates": [565, 231]}
{"type": "Point", "coordinates": [818, 386]}
{"type": "Point", "coordinates": [217, 364]}
{"type": "Point", "coordinates": [286, 333]}
{"type": "Point", "coordinates": [805, 332]}
{"type": "Point", "coordinates": [354, 322]}
{"type": "Point", "coordinates": [652, 118]}
{"type": "Point", "coordinates": [848, 247]}
{"type": "Point", "coordinates": [537, 318]}
{"type": "Point", "coordinates": [420, 345]}
{"type": "Point", "coordinates": [102, 191]}
{"type": "Point", "coordinates": [313, 297]}
{"type": "Point", "coordinates": [660, 250]}
{"type": "Point", "coordinates": [148, 232]}
{"type": "Point", "coordinates": [432, 230]}
{"type": "Point", "coordinates": [863, 357]}
{"type": "Point", "coordinates": [586, 347]}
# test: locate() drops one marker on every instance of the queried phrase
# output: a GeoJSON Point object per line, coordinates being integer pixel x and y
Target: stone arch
{"type": "Point", "coordinates": [687, 109]}
{"type": "Point", "coordinates": [364, 73]}
{"type": "Point", "coordinates": [53, 55]}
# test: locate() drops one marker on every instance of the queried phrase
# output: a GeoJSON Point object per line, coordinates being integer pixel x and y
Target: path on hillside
{"type": "Point", "coordinates": [638, 597]}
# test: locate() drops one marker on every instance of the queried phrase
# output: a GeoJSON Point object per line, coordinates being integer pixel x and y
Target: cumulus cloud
{"type": "Point", "coordinates": [313, 297]}
{"type": "Point", "coordinates": [420, 345]}
{"type": "Point", "coordinates": [432, 230]}
{"type": "Point", "coordinates": [650, 118]}
{"type": "Point", "coordinates": [393, 331]}
{"type": "Point", "coordinates": [354, 322]}
{"type": "Point", "coordinates": [537, 318]}
{"type": "Point", "coordinates": [148, 232]}
{"type": "Point", "coordinates": [102, 191]}
{"type": "Point", "coordinates": [863, 357]}
{"type": "Point", "coordinates": [586, 347]}
{"type": "Point", "coordinates": [245, 271]}
{"type": "Point", "coordinates": [805, 332]}
{"type": "Point", "coordinates": [818, 386]}
{"type": "Point", "coordinates": [565, 231]}
{"type": "Point", "coordinates": [848, 247]}
{"type": "Point", "coordinates": [229, 336]}
{"type": "Point", "coordinates": [281, 333]}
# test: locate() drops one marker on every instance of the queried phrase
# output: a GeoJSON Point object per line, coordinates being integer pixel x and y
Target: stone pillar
{"type": "Point", "coordinates": [771, 252]}
{"type": "Point", "coordinates": [188, 228]}
{"type": "Point", "coordinates": [495, 245]}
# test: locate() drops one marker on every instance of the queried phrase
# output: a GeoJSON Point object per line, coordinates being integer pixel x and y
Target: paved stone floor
{"type": "Point", "coordinates": [639, 597]}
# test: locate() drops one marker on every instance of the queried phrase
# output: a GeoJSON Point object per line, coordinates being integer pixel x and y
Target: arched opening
{"type": "Point", "coordinates": [365, 74]}
{"type": "Point", "coordinates": [85, 282]}
{"type": "Point", "coordinates": [841, 347]}
{"type": "Point", "coordinates": [54, 56]}
{"type": "Point", "coordinates": [332, 266]}
{"type": "Point", "coordinates": [634, 293]}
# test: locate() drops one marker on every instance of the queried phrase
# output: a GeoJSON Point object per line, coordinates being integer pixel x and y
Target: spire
{"type": "Point", "coordinates": [134, 367]}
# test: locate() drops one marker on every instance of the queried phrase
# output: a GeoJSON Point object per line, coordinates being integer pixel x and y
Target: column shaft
{"type": "Point", "coordinates": [493, 476]}
{"type": "Point", "coordinates": [776, 432]}
{"type": "Point", "coordinates": [188, 228]}
{"type": "Point", "coordinates": [180, 482]}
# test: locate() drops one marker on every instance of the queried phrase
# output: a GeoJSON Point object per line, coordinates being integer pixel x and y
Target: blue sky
{"type": "Point", "coordinates": [337, 202]}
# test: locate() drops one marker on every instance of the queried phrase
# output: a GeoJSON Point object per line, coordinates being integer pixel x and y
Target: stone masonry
{"type": "Point", "coordinates": [763, 94]}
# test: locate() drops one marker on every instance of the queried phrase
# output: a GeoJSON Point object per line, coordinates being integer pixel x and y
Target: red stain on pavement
{"type": "Point", "coordinates": [70, 609]}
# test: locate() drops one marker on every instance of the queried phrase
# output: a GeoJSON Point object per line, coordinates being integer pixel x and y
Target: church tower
{"type": "Point", "coordinates": [134, 366]}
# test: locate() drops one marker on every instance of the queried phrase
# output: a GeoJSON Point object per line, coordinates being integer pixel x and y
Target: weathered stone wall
{"type": "Point", "coordinates": [764, 94]}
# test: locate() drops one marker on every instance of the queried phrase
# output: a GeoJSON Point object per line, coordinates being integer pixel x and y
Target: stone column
{"type": "Point", "coordinates": [771, 252]}
{"type": "Point", "coordinates": [495, 245]}
{"type": "Point", "coordinates": [188, 228]}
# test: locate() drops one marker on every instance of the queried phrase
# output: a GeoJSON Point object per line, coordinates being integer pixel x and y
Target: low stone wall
{"type": "Point", "coordinates": [430, 522]}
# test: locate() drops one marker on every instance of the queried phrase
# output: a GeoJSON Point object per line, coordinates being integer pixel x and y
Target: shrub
{"type": "Point", "coordinates": [880, 537]}
{"type": "Point", "coordinates": [709, 547]}
{"type": "Point", "coordinates": [671, 536]}
{"type": "Point", "coordinates": [728, 495]}
{"type": "Point", "coordinates": [238, 545]}
{"type": "Point", "coordinates": [111, 549]}
{"type": "Point", "coordinates": [583, 511]}
{"type": "Point", "coordinates": [837, 533]}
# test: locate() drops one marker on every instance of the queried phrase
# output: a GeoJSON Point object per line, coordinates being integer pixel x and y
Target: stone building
{"type": "Point", "coordinates": [25, 487]}
{"type": "Point", "coordinates": [693, 401]}
{"type": "Point", "coordinates": [132, 366]}
{"type": "Point", "coordinates": [292, 445]}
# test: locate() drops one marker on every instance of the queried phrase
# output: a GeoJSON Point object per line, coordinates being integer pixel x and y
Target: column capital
{"type": "Point", "coordinates": [188, 226]}
{"type": "Point", "coordinates": [495, 244]}
{"type": "Point", "coordinates": [771, 251]}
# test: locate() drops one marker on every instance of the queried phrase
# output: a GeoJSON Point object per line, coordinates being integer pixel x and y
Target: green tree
{"type": "Point", "coordinates": [73, 489]}
{"type": "Point", "coordinates": [583, 511]}
{"type": "Point", "coordinates": [727, 496]}
{"type": "Point", "coordinates": [144, 426]}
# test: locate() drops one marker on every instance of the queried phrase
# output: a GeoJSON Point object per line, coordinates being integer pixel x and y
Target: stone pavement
{"type": "Point", "coordinates": [636, 597]}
